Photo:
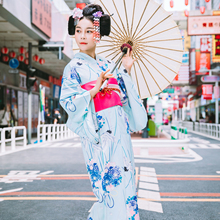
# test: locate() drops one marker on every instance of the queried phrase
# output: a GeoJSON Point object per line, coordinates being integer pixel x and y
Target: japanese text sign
{"type": "Point", "coordinates": [205, 45]}
{"type": "Point", "coordinates": [41, 15]}
{"type": "Point", "coordinates": [202, 62]}
{"type": "Point", "coordinates": [203, 25]}
{"type": "Point", "coordinates": [207, 91]}
{"type": "Point", "coordinates": [216, 48]}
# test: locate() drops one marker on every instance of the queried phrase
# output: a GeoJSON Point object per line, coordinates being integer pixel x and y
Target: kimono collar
{"type": "Point", "coordinates": [87, 57]}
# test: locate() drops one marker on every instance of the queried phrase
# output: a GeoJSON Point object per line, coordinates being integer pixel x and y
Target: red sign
{"type": "Point", "coordinates": [207, 92]}
{"type": "Point", "coordinates": [180, 103]}
{"type": "Point", "coordinates": [202, 62]}
{"type": "Point", "coordinates": [41, 15]}
{"type": "Point", "coordinates": [203, 25]}
{"type": "Point", "coordinates": [205, 45]}
{"type": "Point", "coordinates": [216, 48]}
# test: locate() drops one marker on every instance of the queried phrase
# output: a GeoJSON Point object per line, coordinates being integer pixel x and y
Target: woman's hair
{"type": "Point", "coordinates": [88, 11]}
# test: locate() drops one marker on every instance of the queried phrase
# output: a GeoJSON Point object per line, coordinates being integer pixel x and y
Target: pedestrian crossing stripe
{"type": "Point", "coordinates": [205, 146]}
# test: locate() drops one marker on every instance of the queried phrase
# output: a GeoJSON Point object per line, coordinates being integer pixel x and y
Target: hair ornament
{"type": "Point", "coordinates": [96, 22]}
{"type": "Point", "coordinates": [77, 14]}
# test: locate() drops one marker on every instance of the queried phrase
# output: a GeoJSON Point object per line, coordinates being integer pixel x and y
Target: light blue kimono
{"type": "Point", "coordinates": [105, 136]}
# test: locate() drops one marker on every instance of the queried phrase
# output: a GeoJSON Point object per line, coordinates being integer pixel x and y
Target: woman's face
{"type": "Point", "coordinates": [84, 35]}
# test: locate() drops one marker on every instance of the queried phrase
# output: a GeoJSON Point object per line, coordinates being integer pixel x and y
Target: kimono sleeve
{"type": "Point", "coordinates": [132, 103]}
{"type": "Point", "coordinates": [76, 102]}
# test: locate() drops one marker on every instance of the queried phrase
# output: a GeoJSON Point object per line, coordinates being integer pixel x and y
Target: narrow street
{"type": "Point", "coordinates": [50, 181]}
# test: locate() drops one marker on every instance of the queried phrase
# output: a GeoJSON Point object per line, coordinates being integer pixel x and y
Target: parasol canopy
{"type": "Point", "coordinates": [155, 39]}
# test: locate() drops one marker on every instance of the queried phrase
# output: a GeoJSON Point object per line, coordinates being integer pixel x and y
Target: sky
{"type": "Point", "coordinates": [179, 5]}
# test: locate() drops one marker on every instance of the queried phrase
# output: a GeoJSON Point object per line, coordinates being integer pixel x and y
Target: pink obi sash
{"type": "Point", "coordinates": [107, 97]}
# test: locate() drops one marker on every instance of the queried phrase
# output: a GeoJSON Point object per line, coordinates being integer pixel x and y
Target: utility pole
{"type": "Point", "coordinates": [30, 80]}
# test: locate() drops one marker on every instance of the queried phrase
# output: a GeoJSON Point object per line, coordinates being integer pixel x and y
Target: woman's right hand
{"type": "Point", "coordinates": [103, 76]}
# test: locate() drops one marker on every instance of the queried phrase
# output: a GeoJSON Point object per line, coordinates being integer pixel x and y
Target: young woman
{"type": "Point", "coordinates": [103, 120]}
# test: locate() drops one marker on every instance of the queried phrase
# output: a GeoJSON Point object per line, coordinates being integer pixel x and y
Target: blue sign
{"type": "Point", "coordinates": [14, 63]}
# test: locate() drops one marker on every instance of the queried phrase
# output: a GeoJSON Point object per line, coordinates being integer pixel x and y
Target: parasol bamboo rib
{"type": "Point", "coordinates": [149, 72]}
{"type": "Point", "coordinates": [160, 63]}
{"type": "Point", "coordinates": [106, 51]}
{"type": "Point", "coordinates": [163, 48]}
{"type": "Point", "coordinates": [126, 16]}
{"type": "Point", "coordinates": [116, 55]}
{"type": "Point", "coordinates": [162, 40]}
{"type": "Point", "coordinates": [148, 20]}
{"type": "Point", "coordinates": [137, 80]}
{"type": "Point", "coordinates": [133, 17]}
{"type": "Point", "coordinates": [119, 65]}
{"type": "Point", "coordinates": [140, 18]}
{"type": "Point", "coordinates": [120, 17]}
{"type": "Point", "coordinates": [142, 73]}
{"type": "Point", "coordinates": [116, 34]}
{"type": "Point", "coordinates": [153, 26]}
{"type": "Point", "coordinates": [154, 66]}
{"type": "Point", "coordinates": [158, 33]}
{"type": "Point", "coordinates": [144, 78]}
{"type": "Point", "coordinates": [112, 19]}
{"type": "Point", "coordinates": [164, 56]}
{"type": "Point", "coordinates": [110, 41]}
{"type": "Point", "coordinates": [108, 46]}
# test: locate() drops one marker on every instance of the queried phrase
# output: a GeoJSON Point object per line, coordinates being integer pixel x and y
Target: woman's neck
{"type": "Point", "coordinates": [90, 53]}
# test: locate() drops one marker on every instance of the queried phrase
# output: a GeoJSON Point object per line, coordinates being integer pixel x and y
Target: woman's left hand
{"type": "Point", "coordinates": [127, 61]}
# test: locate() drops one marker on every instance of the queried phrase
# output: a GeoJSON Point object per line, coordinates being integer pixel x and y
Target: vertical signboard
{"type": "Point", "coordinates": [25, 109]}
{"type": "Point", "coordinates": [216, 48]}
{"type": "Point", "coordinates": [202, 62]}
{"type": "Point", "coordinates": [205, 45]}
{"type": "Point", "coordinates": [207, 91]}
{"type": "Point", "coordinates": [41, 15]}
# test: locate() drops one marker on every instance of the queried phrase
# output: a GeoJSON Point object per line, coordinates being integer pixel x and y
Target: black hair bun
{"type": "Point", "coordinates": [88, 11]}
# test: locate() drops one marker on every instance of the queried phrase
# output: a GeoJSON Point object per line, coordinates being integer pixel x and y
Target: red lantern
{"type": "Point", "coordinates": [20, 58]}
{"type": "Point", "coordinates": [4, 50]}
{"type": "Point", "coordinates": [5, 58]}
{"type": "Point", "coordinates": [42, 61]}
{"type": "Point", "coordinates": [12, 54]}
{"type": "Point", "coordinates": [202, 9]}
{"type": "Point", "coordinates": [171, 3]}
{"type": "Point", "coordinates": [22, 50]}
{"type": "Point", "coordinates": [35, 57]}
{"type": "Point", "coordinates": [186, 2]}
{"type": "Point", "coordinates": [186, 13]}
{"type": "Point", "coordinates": [26, 61]}
{"type": "Point", "coordinates": [26, 54]}
{"type": "Point", "coordinates": [207, 0]}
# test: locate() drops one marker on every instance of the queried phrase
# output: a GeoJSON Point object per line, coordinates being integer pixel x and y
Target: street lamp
{"type": "Point", "coordinates": [215, 70]}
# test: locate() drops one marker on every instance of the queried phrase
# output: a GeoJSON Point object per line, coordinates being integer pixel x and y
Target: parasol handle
{"type": "Point", "coordinates": [124, 49]}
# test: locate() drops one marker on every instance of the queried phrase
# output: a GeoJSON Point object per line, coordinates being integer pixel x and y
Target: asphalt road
{"type": "Point", "coordinates": [51, 183]}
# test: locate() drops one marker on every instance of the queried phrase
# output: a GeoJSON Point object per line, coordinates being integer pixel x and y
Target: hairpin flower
{"type": "Point", "coordinates": [77, 13]}
{"type": "Point", "coordinates": [98, 14]}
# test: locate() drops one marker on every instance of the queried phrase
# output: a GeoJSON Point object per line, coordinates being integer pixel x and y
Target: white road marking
{"type": "Point", "coordinates": [150, 206]}
{"type": "Point", "coordinates": [191, 156]}
{"type": "Point", "coordinates": [202, 145]}
{"type": "Point", "coordinates": [145, 191]}
{"type": "Point", "coordinates": [148, 179]}
{"type": "Point", "coordinates": [149, 169]}
{"type": "Point", "coordinates": [150, 186]}
{"type": "Point", "coordinates": [148, 194]}
{"type": "Point", "coordinates": [148, 173]}
{"type": "Point", "coordinates": [193, 146]}
{"type": "Point", "coordinates": [200, 140]}
{"type": "Point", "coordinates": [214, 146]}
{"type": "Point", "coordinates": [218, 172]}
{"type": "Point", "coordinates": [12, 190]}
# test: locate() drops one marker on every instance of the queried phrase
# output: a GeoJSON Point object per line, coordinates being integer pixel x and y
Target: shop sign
{"type": "Point", "coordinates": [210, 79]}
{"type": "Point", "coordinates": [203, 25]}
{"type": "Point", "coordinates": [207, 92]}
{"type": "Point", "coordinates": [205, 45]}
{"type": "Point", "coordinates": [202, 62]}
{"type": "Point", "coordinates": [56, 91]}
{"type": "Point", "coordinates": [180, 103]}
{"type": "Point", "coordinates": [41, 15]}
{"type": "Point", "coordinates": [46, 85]}
{"type": "Point", "coordinates": [216, 48]}
{"type": "Point", "coordinates": [185, 59]}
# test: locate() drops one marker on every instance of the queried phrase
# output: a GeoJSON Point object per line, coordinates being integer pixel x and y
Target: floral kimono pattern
{"type": "Point", "coordinates": [105, 136]}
